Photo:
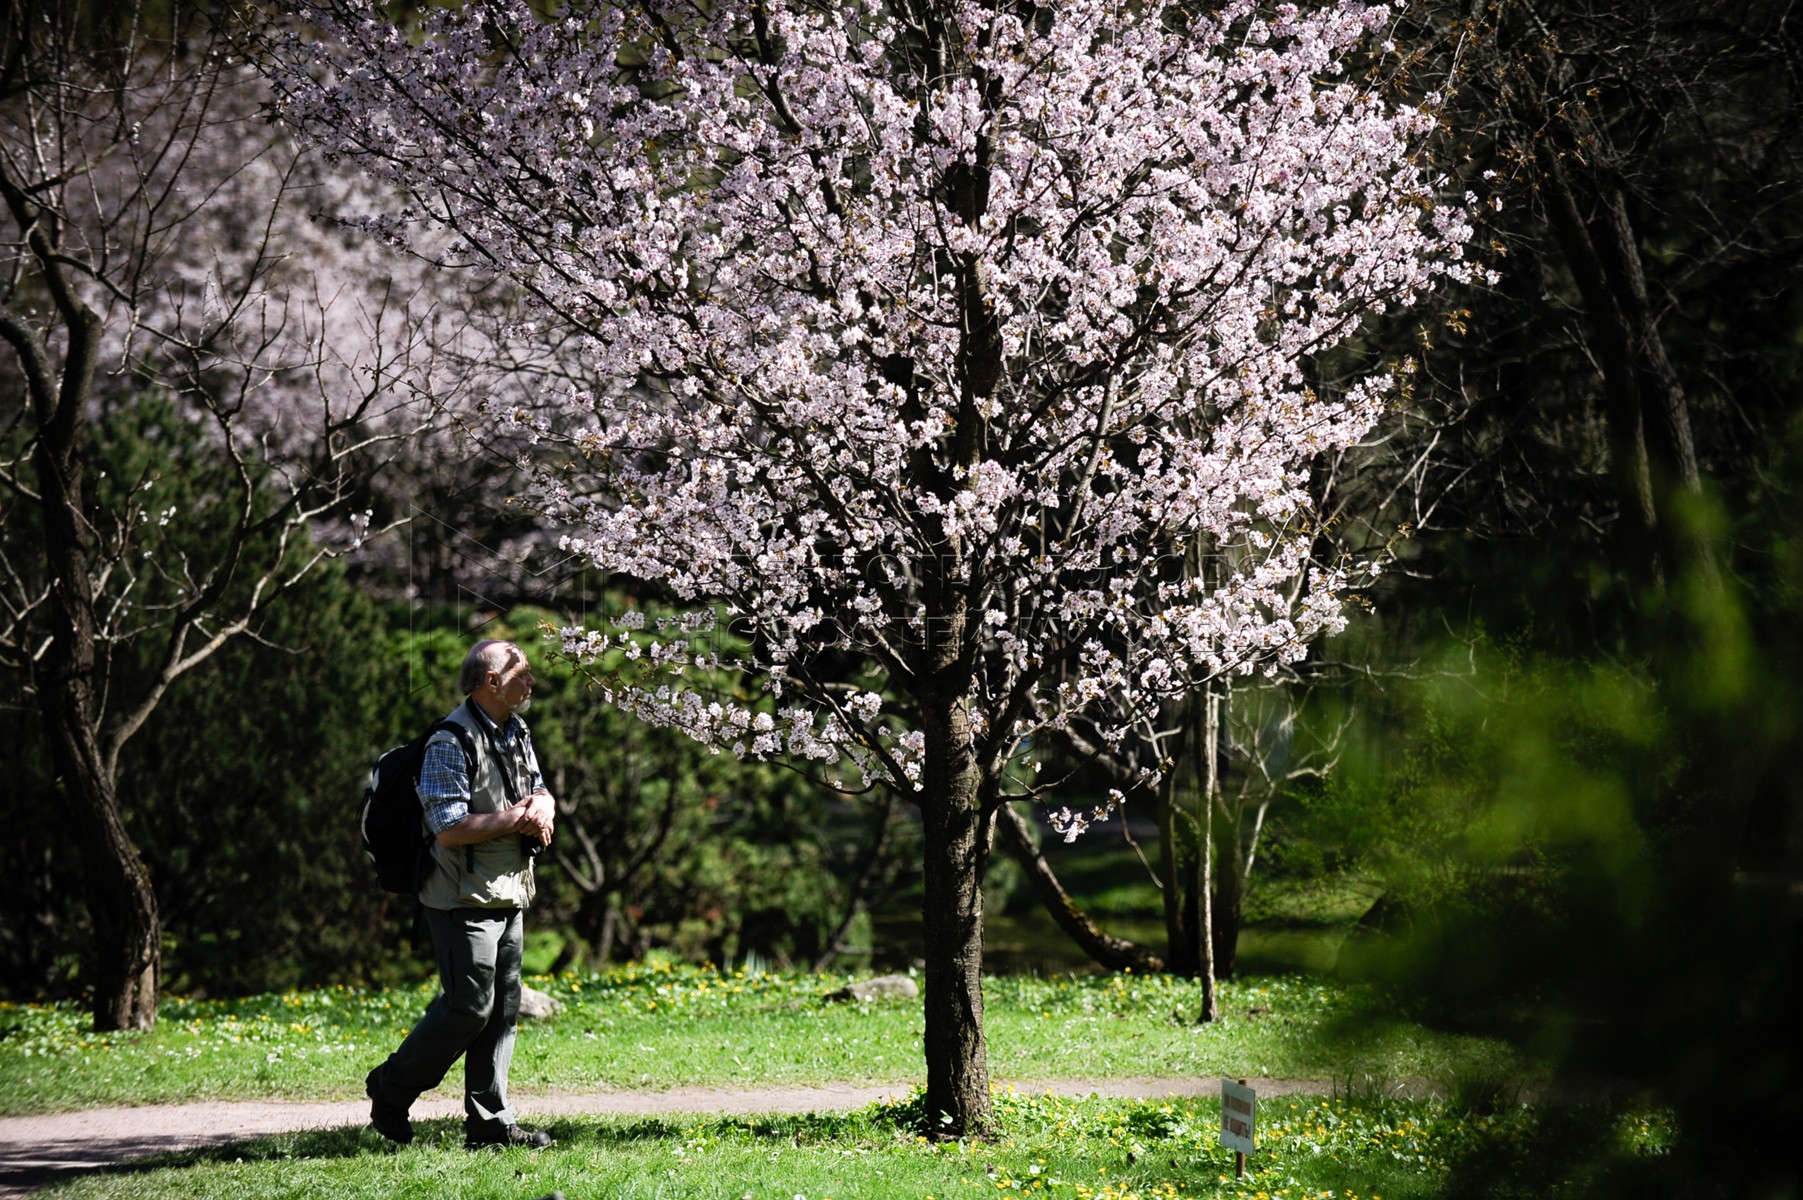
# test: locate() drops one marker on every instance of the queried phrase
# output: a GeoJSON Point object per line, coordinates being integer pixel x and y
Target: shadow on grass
{"type": "Point", "coordinates": [446, 1136]}
{"type": "Point", "coordinates": [344, 1141]}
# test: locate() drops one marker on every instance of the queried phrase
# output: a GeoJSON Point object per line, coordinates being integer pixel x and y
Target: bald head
{"type": "Point", "coordinates": [485, 656]}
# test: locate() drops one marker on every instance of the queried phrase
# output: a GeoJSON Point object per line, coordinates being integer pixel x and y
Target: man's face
{"type": "Point", "coordinates": [513, 682]}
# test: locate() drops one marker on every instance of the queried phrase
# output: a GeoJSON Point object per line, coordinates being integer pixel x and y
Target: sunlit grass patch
{"type": "Point", "coordinates": [259, 1046]}
{"type": "Point", "coordinates": [659, 1025]}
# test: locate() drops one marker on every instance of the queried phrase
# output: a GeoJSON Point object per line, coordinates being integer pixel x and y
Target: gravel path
{"type": "Point", "coordinates": [35, 1151]}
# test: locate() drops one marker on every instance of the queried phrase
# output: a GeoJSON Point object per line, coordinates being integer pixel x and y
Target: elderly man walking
{"type": "Point", "coordinates": [488, 821]}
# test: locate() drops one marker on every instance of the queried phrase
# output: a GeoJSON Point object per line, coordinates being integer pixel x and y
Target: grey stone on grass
{"type": "Point", "coordinates": [536, 1005]}
{"type": "Point", "coordinates": [883, 987]}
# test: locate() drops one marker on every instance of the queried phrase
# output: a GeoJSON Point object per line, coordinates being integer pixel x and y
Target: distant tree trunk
{"type": "Point", "coordinates": [1105, 949]}
{"type": "Point", "coordinates": [956, 853]}
{"type": "Point", "coordinates": [1238, 854]}
{"type": "Point", "coordinates": [1653, 458]}
{"type": "Point", "coordinates": [1176, 874]}
{"type": "Point", "coordinates": [1176, 843]}
{"type": "Point", "coordinates": [121, 904]}
{"type": "Point", "coordinates": [604, 943]}
{"type": "Point", "coordinates": [1227, 907]}
{"type": "Point", "coordinates": [1193, 882]}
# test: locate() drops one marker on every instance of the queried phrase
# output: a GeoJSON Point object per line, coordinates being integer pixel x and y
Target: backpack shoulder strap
{"type": "Point", "coordinates": [463, 739]}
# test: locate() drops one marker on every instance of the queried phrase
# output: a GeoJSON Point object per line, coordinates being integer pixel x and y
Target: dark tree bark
{"type": "Point", "coordinates": [958, 798]}
{"type": "Point", "coordinates": [1227, 903]}
{"type": "Point", "coordinates": [957, 832]}
{"type": "Point", "coordinates": [122, 906]}
{"type": "Point", "coordinates": [1653, 457]}
{"type": "Point", "coordinates": [114, 135]}
{"type": "Point", "coordinates": [1580, 94]}
{"type": "Point", "coordinates": [1176, 862]}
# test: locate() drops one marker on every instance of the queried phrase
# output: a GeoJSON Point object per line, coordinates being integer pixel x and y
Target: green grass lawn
{"type": "Point", "coordinates": [1311, 1148]}
{"type": "Point", "coordinates": [659, 1025]}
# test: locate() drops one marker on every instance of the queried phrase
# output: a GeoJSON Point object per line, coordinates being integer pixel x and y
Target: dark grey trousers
{"type": "Point", "coordinates": [474, 1014]}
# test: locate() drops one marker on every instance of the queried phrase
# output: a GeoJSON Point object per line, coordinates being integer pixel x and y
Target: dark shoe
{"type": "Point", "coordinates": [512, 1135]}
{"type": "Point", "coordinates": [390, 1120]}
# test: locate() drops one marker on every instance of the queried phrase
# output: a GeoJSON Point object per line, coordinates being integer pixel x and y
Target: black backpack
{"type": "Point", "coordinates": [394, 837]}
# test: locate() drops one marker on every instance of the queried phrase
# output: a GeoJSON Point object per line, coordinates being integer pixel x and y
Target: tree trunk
{"type": "Point", "coordinates": [121, 904]}
{"type": "Point", "coordinates": [1653, 457]}
{"type": "Point", "coordinates": [1105, 949]}
{"type": "Point", "coordinates": [1227, 907]}
{"type": "Point", "coordinates": [956, 852]}
{"type": "Point", "coordinates": [1174, 864]}
{"type": "Point", "coordinates": [1195, 893]}
{"type": "Point", "coordinates": [604, 944]}
{"type": "Point", "coordinates": [1208, 785]}
{"type": "Point", "coordinates": [957, 802]}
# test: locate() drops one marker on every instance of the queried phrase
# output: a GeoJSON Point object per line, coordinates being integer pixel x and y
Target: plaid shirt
{"type": "Point", "coordinates": [444, 778]}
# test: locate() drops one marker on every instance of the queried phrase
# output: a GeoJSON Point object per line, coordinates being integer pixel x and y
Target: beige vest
{"type": "Point", "coordinates": [496, 873]}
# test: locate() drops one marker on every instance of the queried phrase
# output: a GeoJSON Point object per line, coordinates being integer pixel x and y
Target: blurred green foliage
{"type": "Point", "coordinates": [1600, 856]}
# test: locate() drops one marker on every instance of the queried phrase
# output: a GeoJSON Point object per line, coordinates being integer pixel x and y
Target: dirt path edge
{"type": "Point", "coordinates": [35, 1151]}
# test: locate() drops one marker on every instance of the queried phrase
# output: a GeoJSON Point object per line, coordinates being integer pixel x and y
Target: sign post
{"type": "Point", "coordinates": [1239, 1133]}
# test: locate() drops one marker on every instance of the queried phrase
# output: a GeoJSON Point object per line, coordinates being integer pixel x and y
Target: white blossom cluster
{"type": "Point", "coordinates": [943, 349]}
{"type": "Point", "coordinates": [1074, 824]}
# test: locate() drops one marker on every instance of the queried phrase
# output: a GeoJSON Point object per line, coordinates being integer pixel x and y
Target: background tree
{"type": "Point", "coordinates": [162, 251]}
{"type": "Point", "coordinates": [936, 328]}
{"type": "Point", "coordinates": [229, 796]}
{"type": "Point", "coordinates": [1643, 159]}
{"type": "Point", "coordinates": [1600, 808]}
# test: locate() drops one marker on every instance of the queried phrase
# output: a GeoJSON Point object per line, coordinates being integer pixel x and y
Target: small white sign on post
{"type": "Point", "coordinates": [1239, 1105]}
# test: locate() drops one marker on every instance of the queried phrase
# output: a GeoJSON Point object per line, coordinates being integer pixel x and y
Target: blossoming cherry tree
{"type": "Point", "coordinates": [942, 332]}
